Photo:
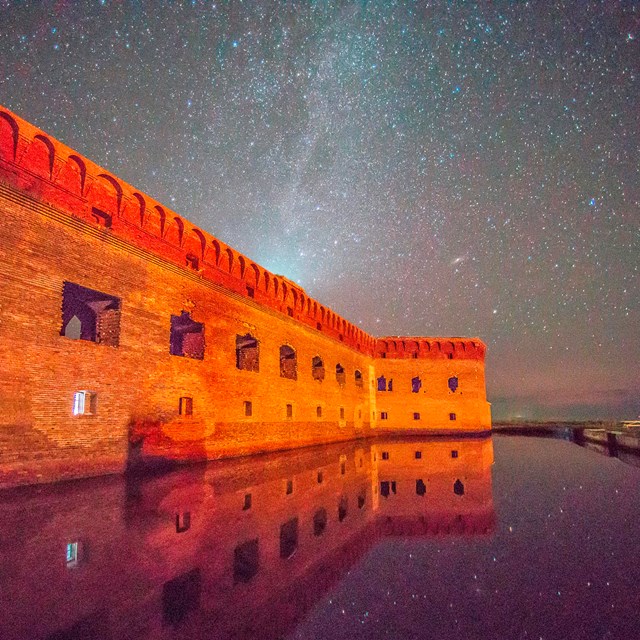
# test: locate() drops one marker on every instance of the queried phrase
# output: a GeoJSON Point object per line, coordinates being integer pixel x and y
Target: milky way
{"type": "Point", "coordinates": [423, 168]}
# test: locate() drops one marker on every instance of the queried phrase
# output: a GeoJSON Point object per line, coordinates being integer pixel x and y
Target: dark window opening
{"type": "Point", "coordinates": [180, 597]}
{"type": "Point", "coordinates": [361, 499]}
{"type": "Point", "coordinates": [341, 337]}
{"type": "Point", "coordinates": [290, 312]}
{"type": "Point", "coordinates": [342, 508]}
{"type": "Point", "coordinates": [101, 217]}
{"type": "Point", "coordinates": [288, 363]}
{"type": "Point", "coordinates": [341, 413]}
{"type": "Point", "coordinates": [416, 384]}
{"type": "Point", "coordinates": [382, 383]}
{"type": "Point", "coordinates": [450, 356]}
{"type": "Point", "coordinates": [187, 337]}
{"type": "Point", "coordinates": [458, 488]}
{"type": "Point", "coordinates": [340, 374]}
{"type": "Point", "coordinates": [383, 355]}
{"type": "Point", "coordinates": [414, 355]}
{"type": "Point", "coordinates": [318, 326]}
{"type": "Point", "coordinates": [320, 477]}
{"type": "Point", "coordinates": [453, 384]}
{"type": "Point", "coordinates": [343, 467]}
{"type": "Point", "coordinates": [183, 522]}
{"type": "Point", "coordinates": [90, 315]}
{"type": "Point", "coordinates": [421, 487]}
{"type": "Point", "coordinates": [289, 411]}
{"type": "Point", "coordinates": [186, 406]}
{"type": "Point", "coordinates": [358, 378]}
{"type": "Point", "coordinates": [387, 487]}
{"type": "Point", "coordinates": [289, 487]}
{"type": "Point", "coordinates": [452, 416]}
{"type": "Point", "coordinates": [246, 505]}
{"type": "Point", "coordinates": [248, 408]}
{"type": "Point", "coordinates": [247, 353]}
{"type": "Point", "coordinates": [193, 262]}
{"type": "Point", "coordinates": [251, 292]}
{"type": "Point", "coordinates": [319, 522]}
{"type": "Point", "coordinates": [289, 538]}
{"type": "Point", "coordinates": [245, 561]}
{"type": "Point", "coordinates": [454, 453]}
{"type": "Point", "coordinates": [416, 416]}
{"type": "Point", "coordinates": [384, 415]}
{"type": "Point", "coordinates": [418, 455]}
{"type": "Point", "coordinates": [318, 412]}
{"type": "Point", "coordinates": [390, 385]}
{"type": "Point", "coordinates": [385, 455]}
{"type": "Point", "coordinates": [317, 368]}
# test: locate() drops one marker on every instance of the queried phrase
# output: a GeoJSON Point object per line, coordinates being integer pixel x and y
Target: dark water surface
{"type": "Point", "coordinates": [403, 538]}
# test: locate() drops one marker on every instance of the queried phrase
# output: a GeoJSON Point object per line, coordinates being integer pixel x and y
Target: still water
{"type": "Point", "coordinates": [503, 538]}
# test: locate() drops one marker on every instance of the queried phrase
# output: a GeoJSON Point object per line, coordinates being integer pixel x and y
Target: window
{"type": "Point", "coordinates": [289, 487]}
{"type": "Point", "coordinates": [318, 412]}
{"type": "Point", "coordinates": [317, 368]}
{"type": "Point", "coordinates": [418, 455]}
{"type": "Point", "coordinates": [318, 326]}
{"type": "Point", "coordinates": [85, 403]}
{"type": "Point", "coordinates": [248, 408]}
{"type": "Point", "coordinates": [343, 464]}
{"type": "Point", "coordinates": [454, 453]}
{"type": "Point", "coordinates": [186, 406]}
{"type": "Point", "coordinates": [341, 413]}
{"type": "Point", "coordinates": [290, 312]}
{"type": "Point", "coordinates": [251, 292]}
{"type": "Point", "coordinates": [90, 315]}
{"type": "Point", "coordinates": [73, 556]}
{"type": "Point", "coordinates": [453, 384]}
{"type": "Point", "coordinates": [187, 337]}
{"type": "Point", "coordinates": [192, 262]}
{"type": "Point", "coordinates": [245, 561]}
{"type": "Point", "coordinates": [390, 385]}
{"type": "Point", "coordinates": [320, 477]}
{"type": "Point", "coordinates": [384, 415]}
{"type": "Point", "coordinates": [416, 384]}
{"type": "Point", "coordinates": [342, 509]}
{"type": "Point", "coordinates": [340, 374]}
{"type": "Point", "coordinates": [289, 411]}
{"type": "Point", "coordinates": [246, 505]}
{"type": "Point", "coordinates": [450, 356]}
{"type": "Point", "coordinates": [382, 383]}
{"type": "Point", "coordinates": [458, 488]}
{"type": "Point", "coordinates": [180, 597]}
{"type": "Point", "coordinates": [416, 416]}
{"type": "Point", "coordinates": [358, 378]}
{"type": "Point", "coordinates": [288, 363]}
{"type": "Point", "coordinates": [414, 355]}
{"type": "Point", "coordinates": [421, 487]}
{"type": "Point", "coordinates": [183, 522]}
{"type": "Point", "coordinates": [452, 416]}
{"type": "Point", "coordinates": [385, 455]}
{"type": "Point", "coordinates": [289, 538]}
{"type": "Point", "coordinates": [386, 487]}
{"type": "Point", "coordinates": [247, 353]}
{"type": "Point", "coordinates": [319, 522]}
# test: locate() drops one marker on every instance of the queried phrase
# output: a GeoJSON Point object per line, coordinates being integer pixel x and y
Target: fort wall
{"type": "Point", "coordinates": [128, 335]}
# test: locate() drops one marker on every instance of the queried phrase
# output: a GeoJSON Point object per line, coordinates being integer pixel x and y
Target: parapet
{"type": "Point", "coordinates": [405, 347]}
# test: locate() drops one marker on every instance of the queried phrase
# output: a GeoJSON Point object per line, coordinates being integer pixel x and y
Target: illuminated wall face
{"type": "Point", "coordinates": [230, 540]}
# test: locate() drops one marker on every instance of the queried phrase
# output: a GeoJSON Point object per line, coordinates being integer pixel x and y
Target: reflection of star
{"type": "Point", "coordinates": [457, 260]}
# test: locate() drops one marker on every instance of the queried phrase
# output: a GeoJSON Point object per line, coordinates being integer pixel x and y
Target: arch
{"type": "Point", "coordinates": [458, 487]}
{"type": "Point", "coordinates": [285, 290]}
{"type": "Point", "coordinates": [140, 209]}
{"type": "Point", "coordinates": [341, 377]}
{"type": "Point", "coordinates": [216, 252]}
{"type": "Point", "coordinates": [322, 312]}
{"type": "Point", "coordinates": [317, 368]}
{"type": "Point", "coordinates": [463, 347]}
{"type": "Point", "coordinates": [247, 353]}
{"type": "Point", "coordinates": [229, 259]}
{"type": "Point", "coordinates": [8, 137]}
{"type": "Point", "coordinates": [357, 375]}
{"type": "Point", "coordinates": [73, 175]}
{"type": "Point", "coordinates": [266, 281]}
{"type": "Point", "coordinates": [174, 231]}
{"type": "Point", "coordinates": [276, 286]}
{"type": "Point", "coordinates": [254, 274]}
{"type": "Point", "coordinates": [39, 157]}
{"type": "Point", "coordinates": [155, 221]}
{"type": "Point", "coordinates": [242, 263]}
{"type": "Point", "coordinates": [106, 198]}
{"type": "Point", "coordinates": [294, 295]}
{"type": "Point", "coordinates": [288, 362]}
{"type": "Point", "coordinates": [452, 383]}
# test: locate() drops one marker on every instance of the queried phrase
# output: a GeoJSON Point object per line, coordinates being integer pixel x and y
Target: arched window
{"type": "Point", "coordinates": [382, 383]}
{"type": "Point", "coordinates": [247, 353]}
{"type": "Point", "coordinates": [317, 368]}
{"type": "Point", "coordinates": [340, 375]}
{"type": "Point", "coordinates": [288, 363]}
{"type": "Point", "coordinates": [358, 377]}
{"type": "Point", "coordinates": [453, 383]}
{"type": "Point", "coordinates": [458, 488]}
{"type": "Point", "coordinates": [187, 337]}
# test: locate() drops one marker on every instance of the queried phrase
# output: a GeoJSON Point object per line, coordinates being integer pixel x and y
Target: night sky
{"type": "Point", "coordinates": [424, 168]}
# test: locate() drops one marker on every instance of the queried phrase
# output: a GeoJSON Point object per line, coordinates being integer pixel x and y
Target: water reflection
{"type": "Point", "coordinates": [237, 549]}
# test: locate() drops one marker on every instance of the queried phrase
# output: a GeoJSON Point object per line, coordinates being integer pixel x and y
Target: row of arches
{"type": "Point", "coordinates": [114, 204]}
{"type": "Point", "coordinates": [422, 347]}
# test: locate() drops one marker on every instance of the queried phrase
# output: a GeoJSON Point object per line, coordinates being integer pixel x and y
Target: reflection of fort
{"type": "Point", "coordinates": [128, 335]}
{"type": "Point", "coordinates": [234, 549]}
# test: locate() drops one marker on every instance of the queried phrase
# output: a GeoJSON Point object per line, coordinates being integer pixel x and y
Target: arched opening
{"type": "Point", "coordinates": [187, 337]}
{"type": "Point", "coordinates": [288, 363]}
{"type": "Point", "coordinates": [453, 384]}
{"type": "Point", "coordinates": [317, 368]}
{"type": "Point", "coordinates": [340, 374]}
{"type": "Point", "coordinates": [416, 384]}
{"type": "Point", "coordinates": [247, 353]}
{"type": "Point", "coordinates": [458, 488]}
{"type": "Point", "coordinates": [358, 377]}
{"type": "Point", "coordinates": [319, 522]}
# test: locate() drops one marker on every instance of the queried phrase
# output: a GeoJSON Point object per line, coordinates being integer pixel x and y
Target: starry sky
{"type": "Point", "coordinates": [424, 168]}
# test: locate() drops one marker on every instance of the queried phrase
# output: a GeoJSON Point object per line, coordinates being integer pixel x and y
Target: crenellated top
{"type": "Point", "coordinates": [50, 171]}
{"type": "Point", "coordinates": [430, 348]}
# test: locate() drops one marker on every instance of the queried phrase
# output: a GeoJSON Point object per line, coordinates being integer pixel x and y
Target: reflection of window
{"type": "Point", "coordinates": [187, 337]}
{"type": "Point", "coordinates": [90, 315]}
{"type": "Point", "coordinates": [245, 561]}
{"type": "Point", "coordinates": [342, 509]}
{"type": "Point", "coordinates": [421, 487]}
{"type": "Point", "coordinates": [289, 538]}
{"type": "Point", "coordinates": [458, 488]}
{"type": "Point", "coordinates": [453, 384]}
{"type": "Point", "coordinates": [247, 354]}
{"type": "Point", "coordinates": [72, 554]}
{"type": "Point", "coordinates": [183, 522]}
{"type": "Point", "coordinates": [180, 597]}
{"type": "Point", "coordinates": [85, 403]}
{"type": "Point", "coordinates": [319, 522]}
{"type": "Point", "coordinates": [247, 502]}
